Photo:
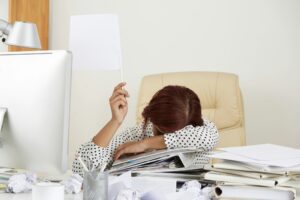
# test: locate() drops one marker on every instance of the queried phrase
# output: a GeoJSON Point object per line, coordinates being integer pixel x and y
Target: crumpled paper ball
{"type": "Point", "coordinates": [21, 182]}
{"type": "Point", "coordinates": [194, 188]}
{"type": "Point", "coordinates": [73, 184]}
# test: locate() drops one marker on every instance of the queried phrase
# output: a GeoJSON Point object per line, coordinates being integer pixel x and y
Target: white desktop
{"type": "Point", "coordinates": [35, 89]}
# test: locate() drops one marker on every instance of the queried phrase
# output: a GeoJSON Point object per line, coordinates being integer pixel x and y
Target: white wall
{"type": "Point", "coordinates": [4, 16]}
{"type": "Point", "coordinates": [258, 40]}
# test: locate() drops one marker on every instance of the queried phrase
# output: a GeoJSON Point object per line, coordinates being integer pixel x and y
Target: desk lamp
{"type": "Point", "coordinates": [23, 34]}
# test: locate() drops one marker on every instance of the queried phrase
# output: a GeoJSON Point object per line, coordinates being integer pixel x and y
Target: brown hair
{"type": "Point", "coordinates": [173, 108]}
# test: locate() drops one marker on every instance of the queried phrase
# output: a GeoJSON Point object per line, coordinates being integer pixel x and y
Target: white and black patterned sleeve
{"type": "Point", "coordinates": [203, 137]}
{"type": "Point", "coordinates": [95, 156]}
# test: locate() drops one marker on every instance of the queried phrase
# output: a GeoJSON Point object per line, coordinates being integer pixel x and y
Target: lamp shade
{"type": "Point", "coordinates": [24, 34]}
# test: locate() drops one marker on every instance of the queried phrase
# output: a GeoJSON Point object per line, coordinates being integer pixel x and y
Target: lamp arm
{"type": "Point", "coordinates": [5, 27]}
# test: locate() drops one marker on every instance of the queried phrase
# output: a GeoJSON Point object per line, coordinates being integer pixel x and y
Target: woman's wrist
{"type": "Point", "coordinates": [146, 144]}
{"type": "Point", "coordinates": [115, 122]}
{"type": "Point", "coordinates": [104, 136]}
{"type": "Point", "coordinates": [154, 142]}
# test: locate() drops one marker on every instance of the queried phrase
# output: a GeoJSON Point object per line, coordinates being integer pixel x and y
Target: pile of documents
{"type": "Point", "coordinates": [264, 171]}
{"type": "Point", "coordinates": [172, 163]}
{"type": "Point", "coordinates": [168, 174]}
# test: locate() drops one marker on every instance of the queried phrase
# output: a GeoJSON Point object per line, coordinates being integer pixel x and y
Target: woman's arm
{"type": "Point", "coordinates": [203, 137]}
{"type": "Point", "coordinates": [119, 108]}
{"type": "Point", "coordinates": [96, 156]}
{"type": "Point", "coordinates": [154, 142]}
{"type": "Point", "coordinates": [101, 149]}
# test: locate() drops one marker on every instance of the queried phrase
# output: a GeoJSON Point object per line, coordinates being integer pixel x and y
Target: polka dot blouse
{"type": "Point", "coordinates": [203, 137]}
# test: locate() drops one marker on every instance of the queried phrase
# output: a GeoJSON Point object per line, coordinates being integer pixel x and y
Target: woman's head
{"type": "Point", "coordinates": [173, 108]}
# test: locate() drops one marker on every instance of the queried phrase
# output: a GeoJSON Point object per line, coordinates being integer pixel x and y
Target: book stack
{"type": "Point", "coordinates": [264, 171]}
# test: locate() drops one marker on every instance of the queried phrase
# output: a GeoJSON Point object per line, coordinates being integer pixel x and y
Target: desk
{"type": "Point", "coordinates": [27, 196]}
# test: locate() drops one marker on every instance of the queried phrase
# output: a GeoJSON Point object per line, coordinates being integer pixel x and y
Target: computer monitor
{"type": "Point", "coordinates": [35, 88]}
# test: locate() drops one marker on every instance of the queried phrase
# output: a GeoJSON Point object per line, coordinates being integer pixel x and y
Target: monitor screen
{"type": "Point", "coordinates": [35, 89]}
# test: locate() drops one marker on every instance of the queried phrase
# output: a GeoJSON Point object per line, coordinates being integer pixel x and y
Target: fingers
{"type": "Point", "coordinates": [118, 101]}
{"type": "Point", "coordinates": [119, 92]}
{"type": "Point", "coordinates": [121, 146]}
{"type": "Point", "coordinates": [119, 154]}
{"type": "Point", "coordinates": [119, 86]}
{"type": "Point", "coordinates": [128, 148]}
{"type": "Point", "coordinates": [122, 149]}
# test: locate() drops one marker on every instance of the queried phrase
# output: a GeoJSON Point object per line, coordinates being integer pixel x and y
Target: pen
{"type": "Point", "coordinates": [82, 163]}
{"type": "Point", "coordinates": [103, 167]}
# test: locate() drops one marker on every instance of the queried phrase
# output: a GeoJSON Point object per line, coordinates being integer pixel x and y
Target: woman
{"type": "Point", "coordinates": [172, 119]}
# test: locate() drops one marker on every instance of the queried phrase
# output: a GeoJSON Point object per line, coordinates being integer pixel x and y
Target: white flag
{"type": "Point", "coordinates": [95, 42]}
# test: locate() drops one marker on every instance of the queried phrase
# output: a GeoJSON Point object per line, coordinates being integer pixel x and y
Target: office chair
{"type": "Point", "coordinates": [220, 98]}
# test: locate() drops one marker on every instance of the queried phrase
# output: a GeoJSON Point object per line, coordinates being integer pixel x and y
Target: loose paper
{"type": "Point", "coordinates": [283, 163]}
{"type": "Point", "coordinates": [265, 152]}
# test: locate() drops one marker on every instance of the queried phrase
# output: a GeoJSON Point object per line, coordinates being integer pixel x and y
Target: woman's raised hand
{"type": "Point", "coordinates": [118, 103]}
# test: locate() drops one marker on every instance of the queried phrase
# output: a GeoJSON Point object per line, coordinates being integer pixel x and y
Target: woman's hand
{"type": "Point", "coordinates": [130, 147]}
{"type": "Point", "coordinates": [118, 106]}
{"type": "Point", "coordinates": [154, 142]}
{"type": "Point", "coordinates": [118, 103]}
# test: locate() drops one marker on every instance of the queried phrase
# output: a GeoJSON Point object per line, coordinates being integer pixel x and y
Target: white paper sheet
{"type": "Point", "coordinates": [146, 184]}
{"type": "Point", "coordinates": [118, 183]}
{"type": "Point", "coordinates": [223, 177]}
{"type": "Point", "coordinates": [264, 165]}
{"type": "Point", "coordinates": [252, 192]}
{"type": "Point", "coordinates": [114, 189]}
{"type": "Point", "coordinates": [125, 178]}
{"type": "Point", "coordinates": [95, 42]}
{"type": "Point", "coordinates": [265, 152]}
{"type": "Point", "coordinates": [183, 195]}
{"type": "Point", "coordinates": [153, 195]}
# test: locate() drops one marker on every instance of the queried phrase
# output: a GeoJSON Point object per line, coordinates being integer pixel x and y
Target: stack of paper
{"type": "Point", "coordinates": [173, 163]}
{"type": "Point", "coordinates": [161, 159]}
{"type": "Point", "coordinates": [5, 174]}
{"type": "Point", "coordinates": [265, 171]}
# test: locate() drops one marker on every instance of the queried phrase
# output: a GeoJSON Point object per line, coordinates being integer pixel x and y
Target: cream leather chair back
{"type": "Point", "coordinates": [220, 98]}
